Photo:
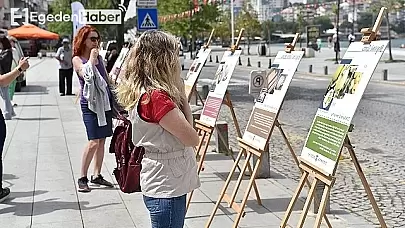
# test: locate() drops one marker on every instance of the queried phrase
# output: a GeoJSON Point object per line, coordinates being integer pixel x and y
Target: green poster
{"type": "Point", "coordinates": [326, 137]}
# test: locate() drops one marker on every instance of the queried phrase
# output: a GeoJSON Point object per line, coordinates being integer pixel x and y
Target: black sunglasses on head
{"type": "Point", "coordinates": [94, 39]}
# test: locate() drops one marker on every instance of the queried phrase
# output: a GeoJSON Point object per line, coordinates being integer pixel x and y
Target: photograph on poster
{"type": "Point", "coordinates": [220, 75]}
{"type": "Point", "coordinates": [275, 81]}
{"type": "Point", "coordinates": [344, 81]}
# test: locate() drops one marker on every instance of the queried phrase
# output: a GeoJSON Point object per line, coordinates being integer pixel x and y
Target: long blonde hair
{"type": "Point", "coordinates": [152, 64]}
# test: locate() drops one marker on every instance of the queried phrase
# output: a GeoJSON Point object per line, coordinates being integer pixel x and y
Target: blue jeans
{"type": "Point", "coordinates": [166, 212]}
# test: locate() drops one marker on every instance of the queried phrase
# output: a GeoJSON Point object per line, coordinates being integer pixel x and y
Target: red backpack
{"type": "Point", "coordinates": [128, 157]}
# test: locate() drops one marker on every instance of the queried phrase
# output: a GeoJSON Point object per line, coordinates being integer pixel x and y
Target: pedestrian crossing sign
{"type": "Point", "coordinates": [147, 19]}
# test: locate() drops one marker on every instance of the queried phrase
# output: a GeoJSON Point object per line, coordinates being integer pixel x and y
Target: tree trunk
{"type": "Point", "coordinates": [389, 38]}
{"type": "Point", "coordinates": [120, 27]}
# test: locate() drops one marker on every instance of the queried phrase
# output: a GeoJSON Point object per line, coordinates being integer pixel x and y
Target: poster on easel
{"type": "Point", "coordinates": [115, 71]}
{"type": "Point", "coordinates": [269, 102]}
{"type": "Point", "coordinates": [338, 106]}
{"type": "Point", "coordinates": [219, 87]}
{"type": "Point", "coordinates": [195, 70]}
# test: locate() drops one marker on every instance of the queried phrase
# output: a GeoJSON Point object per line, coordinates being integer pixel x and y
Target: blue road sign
{"type": "Point", "coordinates": [147, 18]}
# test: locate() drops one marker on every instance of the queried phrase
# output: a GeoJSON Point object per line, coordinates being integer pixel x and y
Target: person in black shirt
{"type": "Point", "coordinates": [112, 57]}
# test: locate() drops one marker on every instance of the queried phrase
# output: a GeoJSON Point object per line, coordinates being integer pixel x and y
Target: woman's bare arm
{"type": "Point", "coordinates": [177, 124]}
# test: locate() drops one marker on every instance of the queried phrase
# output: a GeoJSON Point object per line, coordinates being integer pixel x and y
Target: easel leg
{"type": "Point", "coordinates": [205, 139]}
{"type": "Point", "coordinates": [228, 102]}
{"type": "Point", "coordinates": [294, 199]}
{"type": "Point", "coordinates": [321, 210]}
{"type": "Point", "coordinates": [366, 186]}
{"type": "Point", "coordinates": [246, 196]}
{"type": "Point", "coordinates": [307, 203]}
{"type": "Point", "coordinates": [294, 156]}
{"type": "Point", "coordinates": [221, 196]}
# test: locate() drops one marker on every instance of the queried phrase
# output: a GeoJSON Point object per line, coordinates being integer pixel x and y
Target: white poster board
{"type": "Point", "coordinates": [115, 71]}
{"type": "Point", "coordinates": [195, 69]}
{"type": "Point", "coordinates": [268, 103]}
{"type": "Point", "coordinates": [335, 113]}
{"type": "Point", "coordinates": [215, 97]}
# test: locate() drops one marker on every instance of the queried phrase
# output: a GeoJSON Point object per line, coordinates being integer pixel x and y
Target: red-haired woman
{"type": "Point", "coordinates": [95, 101]}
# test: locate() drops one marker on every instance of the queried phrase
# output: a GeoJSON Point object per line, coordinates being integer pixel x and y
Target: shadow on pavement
{"type": "Point", "coordinates": [38, 105]}
{"type": "Point", "coordinates": [33, 90]}
{"type": "Point", "coordinates": [7, 176]}
{"type": "Point", "coordinates": [274, 205]}
{"type": "Point", "coordinates": [45, 206]}
{"type": "Point", "coordinates": [35, 118]}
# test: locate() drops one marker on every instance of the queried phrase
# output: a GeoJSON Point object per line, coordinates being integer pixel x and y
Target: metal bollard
{"type": "Point", "coordinates": [221, 128]}
{"type": "Point", "coordinates": [325, 70]}
{"type": "Point", "coordinates": [264, 168]}
{"type": "Point", "coordinates": [269, 63]}
{"type": "Point", "coordinates": [216, 59]}
{"type": "Point", "coordinates": [240, 61]}
{"type": "Point", "coordinates": [310, 69]}
{"type": "Point", "coordinates": [385, 74]}
{"type": "Point", "coordinates": [259, 64]}
{"type": "Point", "coordinates": [248, 64]}
{"type": "Point", "coordinates": [210, 58]}
{"type": "Point", "coordinates": [205, 91]}
{"type": "Point", "coordinates": [318, 192]}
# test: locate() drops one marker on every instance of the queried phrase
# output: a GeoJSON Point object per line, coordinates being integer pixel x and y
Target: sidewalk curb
{"type": "Point", "coordinates": [315, 75]}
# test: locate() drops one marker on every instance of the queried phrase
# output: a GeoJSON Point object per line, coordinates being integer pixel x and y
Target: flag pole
{"type": "Point", "coordinates": [232, 22]}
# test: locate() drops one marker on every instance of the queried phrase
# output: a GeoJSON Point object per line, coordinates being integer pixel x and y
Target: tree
{"type": "Point", "coordinates": [346, 25]}
{"type": "Point", "coordinates": [201, 21]}
{"type": "Point", "coordinates": [247, 19]}
{"type": "Point", "coordinates": [66, 28]}
{"type": "Point", "coordinates": [324, 22]}
{"type": "Point", "coordinates": [130, 23]}
{"type": "Point", "coordinates": [365, 20]}
{"type": "Point", "coordinates": [392, 6]}
{"type": "Point", "coordinates": [221, 26]}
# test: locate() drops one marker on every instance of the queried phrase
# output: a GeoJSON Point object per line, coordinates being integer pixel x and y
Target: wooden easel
{"type": "Point", "coordinates": [205, 131]}
{"type": "Point", "coordinates": [327, 179]}
{"type": "Point", "coordinates": [251, 151]}
{"type": "Point", "coordinates": [194, 89]}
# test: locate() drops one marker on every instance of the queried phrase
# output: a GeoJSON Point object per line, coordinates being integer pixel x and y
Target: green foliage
{"type": "Point", "coordinates": [222, 26]}
{"type": "Point", "coordinates": [130, 23]}
{"type": "Point", "coordinates": [247, 19]}
{"type": "Point", "coordinates": [201, 21]}
{"type": "Point", "coordinates": [66, 28]}
{"type": "Point", "coordinates": [365, 20]}
{"type": "Point", "coordinates": [324, 22]}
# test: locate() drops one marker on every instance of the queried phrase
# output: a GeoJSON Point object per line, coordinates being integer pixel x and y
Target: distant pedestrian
{"type": "Point", "coordinates": [330, 43]}
{"type": "Point", "coordinates": [111, 58]}
{"type": "Point", "coordinates": [6, 62]}
{"type": "Point", "coordinates": [16, 59]}
{"type": "Point", "coordinates": [5, 80]}
{"type": "Point", "coordinates": [153, 93]}
{"type": "Point", "coordinates": [64, 56]}
{"type": "Point", "coordinates": [319, 43]}
{"type": "Point", "coordinates": [95, 102]}
{"type": "Point", "coordinates": [351, 38]}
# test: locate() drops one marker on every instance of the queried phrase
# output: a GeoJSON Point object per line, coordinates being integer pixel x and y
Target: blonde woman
{"type": "Point", "coordinates": [153, 94]}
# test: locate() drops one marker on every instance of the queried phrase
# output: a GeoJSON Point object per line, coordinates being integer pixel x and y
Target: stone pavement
{"type": "Point", "coordinates": [378, 139]}
{"type": "Point", "coordinates": [42, 163]}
